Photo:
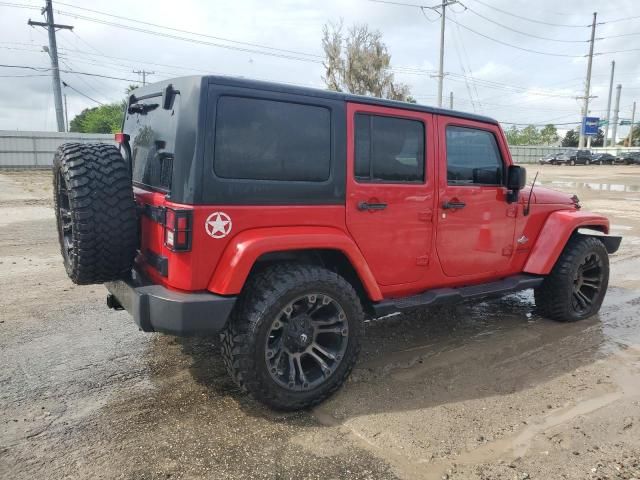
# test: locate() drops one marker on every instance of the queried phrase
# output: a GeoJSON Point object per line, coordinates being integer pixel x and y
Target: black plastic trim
{"type": "Point", "coordinates": [157, 309]}
{"type": "Point", "coordinates": [160, 263]}
{"type": "Point", "coordinates": [442, 296]}
{"type": "Point", "coordinates": [237, 191]}
{"type": "Point", "coordinates": [611, 242]}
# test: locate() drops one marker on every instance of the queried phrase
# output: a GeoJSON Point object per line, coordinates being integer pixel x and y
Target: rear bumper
{"type": "Point", "coordinates": [155, 308]}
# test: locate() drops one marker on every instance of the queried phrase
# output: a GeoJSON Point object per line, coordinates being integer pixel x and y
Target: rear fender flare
{"type": "Point", "coordinates": [555, 234]}
{"type": "Point", "coordinates": [244, 249]}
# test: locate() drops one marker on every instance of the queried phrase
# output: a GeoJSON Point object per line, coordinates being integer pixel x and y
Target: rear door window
{"type": "Point", "coordinates": [261, 139]}
{"type": "Point", "coordinates": [388, 149]}
{"type": "Point", "coordinates": [153, 134]}
{"type": "Point", "coordinates": [473, 157]}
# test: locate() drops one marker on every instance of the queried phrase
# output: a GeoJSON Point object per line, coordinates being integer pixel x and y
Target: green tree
{"type": "Point", "coordinates": [570, 139]}
{"type": "Point", "coordinates": [530, 135]}
{"type": "Point", "coordinates": [102, 119]}
{"type": "Point", "coordinates": [598, 140]}
{"type": "Point", "coordinates": [359, 63]}
{"type": "Point", "coordinates": [549, 134]}
{"type": "Point", "coordinates": [513, 135]}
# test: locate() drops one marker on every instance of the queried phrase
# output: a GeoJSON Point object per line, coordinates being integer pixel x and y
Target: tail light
{"type": "Point", "coordinates": [178, 229]}
{"type": "Point", "coordinates": [121, 137]}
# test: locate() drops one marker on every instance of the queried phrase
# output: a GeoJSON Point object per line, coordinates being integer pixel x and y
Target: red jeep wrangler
{"type": "Point", "coordinates": [281, 217]}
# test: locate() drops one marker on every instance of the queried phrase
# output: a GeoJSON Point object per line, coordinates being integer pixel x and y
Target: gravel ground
{"type": "Point", "coordinates": [484, 391]}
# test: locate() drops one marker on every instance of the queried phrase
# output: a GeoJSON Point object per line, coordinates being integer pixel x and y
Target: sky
{"type": "Point", "coordinates": [529, 70]}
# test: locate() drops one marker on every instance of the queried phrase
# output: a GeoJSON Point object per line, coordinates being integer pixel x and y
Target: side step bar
{"type": "Point", "coordinates": [441, 296]}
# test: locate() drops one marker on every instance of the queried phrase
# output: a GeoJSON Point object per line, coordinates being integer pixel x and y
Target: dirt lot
{"type": "Point", "coordinates": [486, 391]}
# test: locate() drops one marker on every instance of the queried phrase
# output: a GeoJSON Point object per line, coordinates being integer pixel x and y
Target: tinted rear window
{"type": "Point", "coordinates": [272, 140]}
{"type": "Point", "coordinates": [152, 143]}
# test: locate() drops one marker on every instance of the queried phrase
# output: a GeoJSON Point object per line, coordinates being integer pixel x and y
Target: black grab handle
{"type": "Point", "coordinates": [453, 205]}
{"type": "Point", "coordinates": [371, 206]}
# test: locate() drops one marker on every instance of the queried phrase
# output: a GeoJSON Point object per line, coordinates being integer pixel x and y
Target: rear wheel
{"type": "Point", "coordinates": [294, 335]}
{"type": "Point", "coordinates": [95, 212]}
{"type": "Point", "coordinates": [576, 286]}
{"type": "Point", "coordinates": [572, 162]}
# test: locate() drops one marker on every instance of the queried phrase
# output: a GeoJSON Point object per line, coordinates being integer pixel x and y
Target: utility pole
{"type": "Point", "coordinates": [144, 74]}
{"type": "Point", "coordinates": [616, 112]}
{"type": "Point", "coordinates": [66, 114]}
{"type": "Point", "coordinates": [451, 100]}
{"type": "Point", "coordinates": [606, 127]}
{"type": "Point", "coordinates": [588, 82]}
{"type": "Point", "coordinates": [51, 27]}
{"type": "Point", "coordinates": [441, 69]}
{"type": "Point", "coordinates": [633, 118]}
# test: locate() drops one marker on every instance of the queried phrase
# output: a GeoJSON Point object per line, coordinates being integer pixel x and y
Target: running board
{"type": "Point", "coordinates": [441, 296]}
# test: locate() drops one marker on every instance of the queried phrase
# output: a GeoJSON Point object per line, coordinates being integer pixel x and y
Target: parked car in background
{"type": "Point", "coordinates": [629, 158]}
{"type": "Point", "coordinates": [549, 159]}
{"type": "Point", "coordinates": [574, 157]}
{"type": "Point", "coordinates": [603, 159]}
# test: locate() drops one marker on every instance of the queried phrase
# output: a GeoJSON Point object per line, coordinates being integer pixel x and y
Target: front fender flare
{"type": "Point", "coordinates": [245, 248]}
{"type": "Point", "coordinates": [555, 234]}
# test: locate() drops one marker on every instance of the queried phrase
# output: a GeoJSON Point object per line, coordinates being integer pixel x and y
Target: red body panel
{"type": "Point", "coordinates": [557, 229]}
{"type": "Point", "coordinates": [395, 241]}
{"type": "Point", "coordinates": [475, 240]}
{"type": "Point", "coordinates": [246, 247]}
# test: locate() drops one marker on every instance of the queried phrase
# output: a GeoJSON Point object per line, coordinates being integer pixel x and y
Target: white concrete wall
{"type": "Point", "coordinates": [22, 149]}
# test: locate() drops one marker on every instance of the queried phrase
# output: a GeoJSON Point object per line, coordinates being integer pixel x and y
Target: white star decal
{"type": "Point", "coordinates": [218, 225]}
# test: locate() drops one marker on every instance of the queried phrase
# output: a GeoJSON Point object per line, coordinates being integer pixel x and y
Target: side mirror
{"type": "Point", "coordinates": [516, 180]}
{"type": "Point", "coordinates": [516, 177]}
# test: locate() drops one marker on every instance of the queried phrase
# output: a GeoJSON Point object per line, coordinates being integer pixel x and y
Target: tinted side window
{"type": "Point", "coordinates": [473, 157]}
{"type": "Point", "coordinates": [270, 140]}
{"type": "Point", "coordinates": [388, 149]}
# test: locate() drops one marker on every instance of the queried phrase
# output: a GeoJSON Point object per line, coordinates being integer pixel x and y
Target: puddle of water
{"type": "Point", "coordinates": [603, 187]}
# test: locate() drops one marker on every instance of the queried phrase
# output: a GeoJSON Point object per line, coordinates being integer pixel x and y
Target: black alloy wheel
{"type": "Point", "coordinates": [306, 342]}
{"type": "Point", "coordinates": [64, 219]}
{"type": "Point", "coordinates": [587, 282]}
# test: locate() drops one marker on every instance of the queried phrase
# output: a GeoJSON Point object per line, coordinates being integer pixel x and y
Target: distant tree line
{"type": "Point", "coordinates": [531, 135]}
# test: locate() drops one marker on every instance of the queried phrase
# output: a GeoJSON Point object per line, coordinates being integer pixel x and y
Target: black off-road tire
{"type": "Point", "coordinates": [95, 212]}
{"type": "Point", "coordinates": [555, 297]}
{"type": "Point", "coordinates": [264, 295]}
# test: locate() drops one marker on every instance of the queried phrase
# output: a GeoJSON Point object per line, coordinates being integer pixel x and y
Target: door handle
{"type": "Point", "coordinates": [362, 206]}
{"type": "Point", "coordinates": [453, 205]}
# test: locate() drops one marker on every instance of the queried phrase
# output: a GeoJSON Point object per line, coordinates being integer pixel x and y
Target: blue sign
{"type": "Point", "coordinates": [590, 125]}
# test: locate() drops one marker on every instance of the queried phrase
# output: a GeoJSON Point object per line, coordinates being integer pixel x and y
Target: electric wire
{"type": "Point", "coordinates": [528, 19]}
{"type": "Point", "coordinates": [66, 85]}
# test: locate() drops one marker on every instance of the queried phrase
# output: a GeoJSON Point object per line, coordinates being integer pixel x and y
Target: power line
{"type": "Point", "coordinates": [530, 19]}
{"type": "Point", "coordinates": [65, 84]}
{"type": "Point", "coordinates": [119, 17]}
{"type": "Point", "coordinates": [618, 19]}
{"type": "Point", "coordinates": [515, 46]}
{"type": "Point", "coordinates": [44, 69]}
{"type": "Point", "coordinates": [25, 76]}
{"type": "Point", "coordinates": [520, 31]}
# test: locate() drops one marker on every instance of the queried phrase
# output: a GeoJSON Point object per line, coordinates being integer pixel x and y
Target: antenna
{"type": "Point", "coordinates": [528, 207]}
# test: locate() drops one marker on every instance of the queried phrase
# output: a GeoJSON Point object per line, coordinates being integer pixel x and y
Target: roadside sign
{"type": "Point", "coordinates": [590, 125]}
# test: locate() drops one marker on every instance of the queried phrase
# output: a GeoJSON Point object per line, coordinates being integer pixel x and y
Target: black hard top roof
{"type": "Point", "coordinates": [318, 93]}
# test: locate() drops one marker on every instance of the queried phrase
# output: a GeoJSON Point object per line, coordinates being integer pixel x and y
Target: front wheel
{"type": "Point", "coordinates": [576, 286]}
{"type": "Point", "coordinates": [587, 162]}
{"type": "Point", "coordinates": [572, 162]}
{"type": "Point", "coordinates": [294, 335]}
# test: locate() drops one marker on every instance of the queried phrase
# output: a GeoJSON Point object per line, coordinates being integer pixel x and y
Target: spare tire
{"type": "Point", "coordinates": [95, 212]}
